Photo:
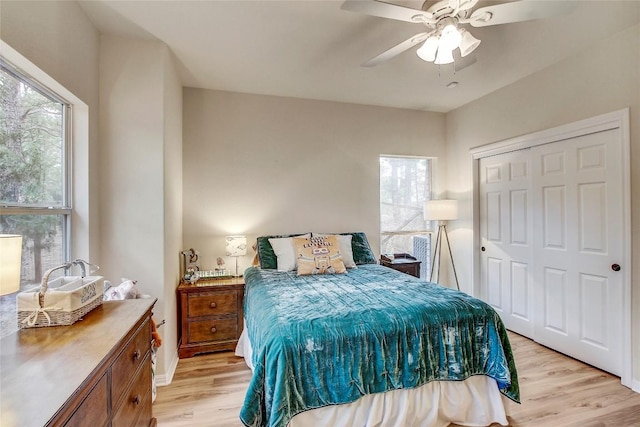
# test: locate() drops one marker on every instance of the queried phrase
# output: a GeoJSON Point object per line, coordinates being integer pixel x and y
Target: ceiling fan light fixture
{"type": "Point", "coordinates": [450, 38]}
{"type": "Point", "coordinates": [468, 44]}
{"type": "Point", "coordinates": [427, 52]}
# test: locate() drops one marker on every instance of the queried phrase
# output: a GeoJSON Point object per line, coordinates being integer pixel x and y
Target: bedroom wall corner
{"type": "Point", "coordinates": [173, 210]}
{"type": "Point", "coordinates": [139, 90]}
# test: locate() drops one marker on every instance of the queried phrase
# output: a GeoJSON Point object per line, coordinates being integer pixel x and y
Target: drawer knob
{"type": "Point", "coordinates": [136, 355]}
{"type": "Point", "coordinates": [213, 330]}
{"type": "Point", "coordinates": [212, 305]}
{"type": "Point", "coordinates": [136, 400]}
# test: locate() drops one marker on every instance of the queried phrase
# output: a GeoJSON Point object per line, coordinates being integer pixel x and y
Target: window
{"type": "Point", "coordinates": [34, 171]}
{"type": "Point", "coordinates": [405, 183]}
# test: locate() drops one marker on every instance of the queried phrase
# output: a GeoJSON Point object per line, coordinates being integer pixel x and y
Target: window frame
{"type": "Point", "coordinates": [81, 227]}
{"type": "Point", "coordinates": [65, 209]}
{"type": "Point", "coordinates": [428, 196]}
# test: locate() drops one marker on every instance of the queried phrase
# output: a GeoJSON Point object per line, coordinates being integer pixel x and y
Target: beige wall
{"type": "Point", "coordinates": [266, 165]}
{"type": "Point", "coordinates": [602, 79]}
{"type": "Point", "coordinates": [58, 38]}
{"type": "Point", "coordinates": [140, 131]}
{"type": "Point", "coordinates": [172, 215]}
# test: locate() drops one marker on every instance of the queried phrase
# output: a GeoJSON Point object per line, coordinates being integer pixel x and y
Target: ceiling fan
{"type": "Point", "coordinates": [444, 22]}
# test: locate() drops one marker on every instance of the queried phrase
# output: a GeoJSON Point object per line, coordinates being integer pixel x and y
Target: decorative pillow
{"type": "Point", "coordinates": [362, 253]}
{"type": "Point", "coordinates": [345, 248]}
{"type": "Point", "coordinates": [318, 255]}
{"type": "Point", "coordinates": [285, 252]}
{"type": "Point", "coordinates": [266, 256]}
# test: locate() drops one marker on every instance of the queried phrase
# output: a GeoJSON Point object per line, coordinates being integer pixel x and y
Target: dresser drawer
{"type": "Point", "coordinates": [94, 409]}
{"type": "Point", "coordinates": [212, 303]}
{"type": "Point", "coordinates": [213, 330]}
{"type": "Point", "coordinates": [134, 401]}
{"type": "Point", "coordinates": [129, 360]}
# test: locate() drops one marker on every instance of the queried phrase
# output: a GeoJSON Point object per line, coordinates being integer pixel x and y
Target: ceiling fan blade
{"type": "Point", "coordinates": [523, 10]}
{"type": "Point", "coordinates": [397, 49]}
{"type": "Point", "coordinates": [386, 10]}
{"type": "Point", "coordinates": [462, 4]}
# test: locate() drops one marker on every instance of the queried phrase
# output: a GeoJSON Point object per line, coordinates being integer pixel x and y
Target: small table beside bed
{"type": "Point", "coordinates": [366, 345]}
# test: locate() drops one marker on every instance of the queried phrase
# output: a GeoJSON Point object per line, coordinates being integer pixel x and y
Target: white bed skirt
{"type": "Point", "coordinates": [473, 402]}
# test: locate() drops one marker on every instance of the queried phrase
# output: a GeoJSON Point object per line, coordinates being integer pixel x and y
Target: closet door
{"type": "Point", "coordinates": [505, 230]}
{"type": "Point", "coordinates": [578, 222]}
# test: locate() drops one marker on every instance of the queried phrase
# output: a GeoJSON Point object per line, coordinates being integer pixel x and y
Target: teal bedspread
{"type": "Point", "coordinates": [330, 339]}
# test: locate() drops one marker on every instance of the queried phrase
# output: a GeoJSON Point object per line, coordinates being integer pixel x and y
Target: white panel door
{"type": "Point", "coordinates": [578, 223]}
{"type": "Point", "coordinates": [505, 230]}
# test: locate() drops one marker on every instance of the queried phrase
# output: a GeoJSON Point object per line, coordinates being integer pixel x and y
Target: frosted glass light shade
{"type": "Point", "coordinates": [236, 245]}
{"type": "Point", "coordinates": [444, 56]}
{"type": "Point", "coordinates": [468, 43]}
{"type": "Point", "coordinates": [10, 261]}
{"type": "Point", "coordinates": [450, 38]}
{"type": "Point", "coordinates": [440, 210]}
{"type": "Point", "coordinates": [427, 52]}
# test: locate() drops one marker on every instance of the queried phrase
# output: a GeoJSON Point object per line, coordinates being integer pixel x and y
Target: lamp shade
{"type": "Point", "coordinates": [427, 52]}
{"type": "Point", "coordinates": [236, 245]}
{"type": "Point", "coordinates": [468, 43]}
{"type": "Point", "coordinates": [440, 210]}
{"type": "Point", "coordinates": [10, 261]}
{"type": "Point", "coordinates": [444, 56]}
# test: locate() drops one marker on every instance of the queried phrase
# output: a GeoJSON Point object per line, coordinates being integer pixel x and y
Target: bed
{"type": "Point", "coordinates": [370, 346]}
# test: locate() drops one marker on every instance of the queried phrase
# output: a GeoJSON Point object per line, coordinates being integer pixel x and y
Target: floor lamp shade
{"type": "Point", "coordinates": [440, 210]}
{"type": "Point", "coordinates": [10, 261]}
{"type": "Point", "coordinates": [443, 211]}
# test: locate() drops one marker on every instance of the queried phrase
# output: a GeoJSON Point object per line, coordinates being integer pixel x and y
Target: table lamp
{"type": "Point", "coordinates": [10, 261]}
{"type": "Point", "coordinates": [236, 246]}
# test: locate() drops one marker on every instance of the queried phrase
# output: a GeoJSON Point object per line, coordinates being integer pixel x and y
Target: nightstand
{"type": "Point", "coordinates": [402, 262]}
{"type": "Point", "coordinates": [210, 315]}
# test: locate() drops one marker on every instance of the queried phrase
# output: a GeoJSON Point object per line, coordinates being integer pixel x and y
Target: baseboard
{"type": "Point", "coordinates": [635, 386]}
{"type": "Point", "coordinates": [162, 380]}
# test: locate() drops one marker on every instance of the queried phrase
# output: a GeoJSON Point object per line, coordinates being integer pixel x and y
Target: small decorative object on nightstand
{"type": "Point", "coordinates": [210, 314]}
{"type": "Point", "coordinates": [402, 262]}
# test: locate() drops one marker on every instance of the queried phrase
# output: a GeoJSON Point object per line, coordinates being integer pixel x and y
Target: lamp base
{"type": "Point", "coordinates": [438, 251]}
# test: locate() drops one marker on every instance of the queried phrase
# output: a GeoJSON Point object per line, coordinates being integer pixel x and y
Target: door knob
{"type": "Point", "coordinates": [483, 249]}
{"type": "Point", "coordinates": [615, 267]}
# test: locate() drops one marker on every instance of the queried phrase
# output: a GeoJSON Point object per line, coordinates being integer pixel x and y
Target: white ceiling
{"type": "Point", "coordinates": [313, 49]}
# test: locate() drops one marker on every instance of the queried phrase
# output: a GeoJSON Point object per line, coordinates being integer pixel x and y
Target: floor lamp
{"type": "Point", "coordinates": [441, 211]}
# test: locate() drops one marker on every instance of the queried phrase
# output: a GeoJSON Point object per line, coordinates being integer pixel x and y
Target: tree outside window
{"type": "Point", "coordinates": [405, 184]}
{"type": "Point", "coordinates": [33, 172]}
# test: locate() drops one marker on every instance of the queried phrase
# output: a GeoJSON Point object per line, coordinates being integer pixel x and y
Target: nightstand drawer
{"type": "Point", "coordinates": [213, 330]}
{"type": "Point", "coordinates": [212, 303]}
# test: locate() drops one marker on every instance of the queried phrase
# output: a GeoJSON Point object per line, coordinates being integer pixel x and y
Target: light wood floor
{"type": "Point", "coordinates": [208, 390]}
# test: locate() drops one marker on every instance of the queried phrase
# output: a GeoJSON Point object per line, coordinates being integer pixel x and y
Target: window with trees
{"type": "Point", "coordinates": [34, 171]}
{"type": "Point", "coordinates": [405, 184]}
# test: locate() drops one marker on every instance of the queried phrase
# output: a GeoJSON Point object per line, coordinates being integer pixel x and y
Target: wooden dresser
{"type": "Point", "coordinates": [96, 372]}
{"type": "Point", "coordinates": [210, 314]}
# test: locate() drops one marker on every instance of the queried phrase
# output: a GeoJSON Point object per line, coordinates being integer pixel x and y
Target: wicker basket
{"type": "Point", "coordinates": [62, 301]}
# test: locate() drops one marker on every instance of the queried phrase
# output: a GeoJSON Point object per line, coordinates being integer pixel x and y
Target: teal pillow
{"type": "Point", "coordinates": [362, 253]}
{"type": "Point", "coordinates": [266, 256]}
